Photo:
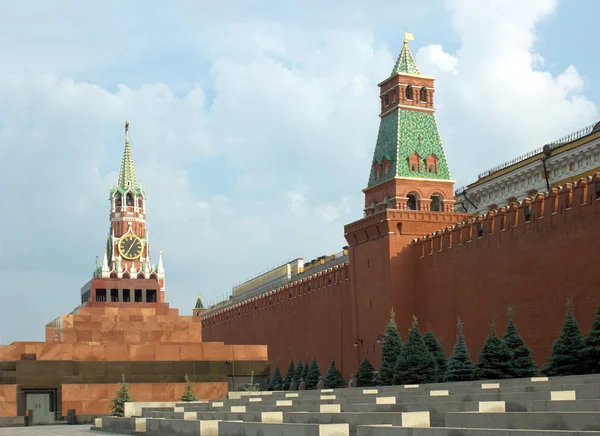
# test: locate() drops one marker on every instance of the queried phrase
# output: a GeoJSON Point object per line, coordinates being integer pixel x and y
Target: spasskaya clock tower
{"type": "Point", "coordinates": [127, 274]}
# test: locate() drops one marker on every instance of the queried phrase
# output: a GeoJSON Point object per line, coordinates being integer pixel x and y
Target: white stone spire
{"type": "Point", "coordinates": [160, 271]}
{"type": "Point", "coordinates": [105, 269]}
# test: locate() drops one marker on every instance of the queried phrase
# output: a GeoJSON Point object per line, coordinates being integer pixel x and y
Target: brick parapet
{"type": "Point", "coordinates": [560, 205]}
{"type": "Point", "coordinates": [328, 278]}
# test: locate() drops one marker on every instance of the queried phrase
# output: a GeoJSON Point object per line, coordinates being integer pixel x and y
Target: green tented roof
{"type": "Point", "coordinates": [405, 63]}
{"type": "Point", "coordinates": [402, 133]}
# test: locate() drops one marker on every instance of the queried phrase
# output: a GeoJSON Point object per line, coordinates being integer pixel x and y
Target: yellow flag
{"type": "Point", "coordinates": [408, 36]}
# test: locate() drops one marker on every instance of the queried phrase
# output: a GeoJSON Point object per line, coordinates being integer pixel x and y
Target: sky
{"type": "Point", "coordinates": [252, 125]}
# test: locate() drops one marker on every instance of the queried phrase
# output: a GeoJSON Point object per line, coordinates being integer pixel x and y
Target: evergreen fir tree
{"type": "Point", "coordinates": [312, 378]}
{"type": "Point", "coordinates": [415, 363]}
{"type": "Point", "coordinates": [306, 369]}
{"type": "Point", "coordinates": [591, 352]}
{"type": "Point", "coordinates": [118, 403]}
{"type": "Point", "coordinates": [188, 393]}
{"type": "Point", "coordinates": [436, 349]}
{"type": "Point", "coordinates": [276, 378]}
{"type": "Point", "coordinates": [390, 350]}
{"type": "Point", "coordinates": [565, 358]}
{"type": "Point", "coordinates": [299, 373]}
{"type": "Point", "coordinates": [365, 374]}
{"type": "Point", "coordinates": [459, 367]}
{"type": "Point", "coordinates": [251, 386]}
{"type": "Point", "coordinates": [334, 377]}
{"type": "Point", "coordinates": [289, 377]}
{"type": "Point", "coordinates": [522, 363]}
{"type": "Point", "coordinates": [495, 358]}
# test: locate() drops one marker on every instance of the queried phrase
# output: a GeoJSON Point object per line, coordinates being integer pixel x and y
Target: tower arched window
{"type": "Point", "coordinates": [373, 204]}
{"type": "Point", "coordinates": [423, 94]}
{"type": "Point", "coordinates": [436, 203]}
{"type": "Point", "coordinates": [118, 200]}
{"type": "Point", "coordinates": [386, 200]}
{"type": "Point", "coordinates": [414, 167]}
{"type": "Point", "coordinates": [140, 203]}
{"type": "Point", "coordinates": [129, 199]}
{"type": "Point", "coordinates": [409, 92]}
{"type": "Point", "coordinates": [412, 202]}
{"type": "Point", "coordinates": [432, 168]}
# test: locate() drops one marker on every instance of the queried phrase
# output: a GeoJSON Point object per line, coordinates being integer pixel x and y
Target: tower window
{"type": "Point", "coordinates": [118, 200]}
{"type": "Point", "coordinates": [129, 200]}
{"type": "Point", "coordinates": [432, 168]}
{"type": "Point", "coordinates": [480, 229]}
{"type": "Point", "coordinates": [140, 203]}
{"type": "Point", "coordinates": [411, 204]}
{"type": "Point", "coordinates": [436, 203]}
{"type": "Point", "coordinates": [414, 167]}
{"type": "Point", "coordinates": [409, 92]}
{"type": "Point", "coordinates": [597, 187]}
{"type": "Point", "coordinates": [423, 94]}
{"type": "Point", "coordinates": [386, 200]}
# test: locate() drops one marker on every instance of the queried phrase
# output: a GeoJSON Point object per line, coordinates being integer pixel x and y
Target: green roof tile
{"type": "Point", "coordinates": [402, 133]}
{"type": "Point", "coordinates": [405, 63]}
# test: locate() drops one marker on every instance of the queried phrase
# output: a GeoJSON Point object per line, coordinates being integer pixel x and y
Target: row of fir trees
{"type": "Point", "coordinates": [421, 358]}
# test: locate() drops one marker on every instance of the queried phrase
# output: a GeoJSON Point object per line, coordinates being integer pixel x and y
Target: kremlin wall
{"type": "Point", "coordinates": [505, 242]}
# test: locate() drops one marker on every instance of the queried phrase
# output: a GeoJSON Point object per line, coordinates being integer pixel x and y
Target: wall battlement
{"type": "Point", "coordinates": [571, 202]}
{"type": "Point", "coordinates": [331, 277]}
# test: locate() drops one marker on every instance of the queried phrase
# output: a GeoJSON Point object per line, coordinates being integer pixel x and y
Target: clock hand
{"type": "Point", "coordinates": [130, 247]}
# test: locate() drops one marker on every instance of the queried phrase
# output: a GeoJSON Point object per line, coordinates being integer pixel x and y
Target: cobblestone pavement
{"type": "Point", "coordinates": [51, 430]}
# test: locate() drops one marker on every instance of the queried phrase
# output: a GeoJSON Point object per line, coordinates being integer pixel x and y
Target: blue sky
{"type": "Point", "coordinates": [252, 124]}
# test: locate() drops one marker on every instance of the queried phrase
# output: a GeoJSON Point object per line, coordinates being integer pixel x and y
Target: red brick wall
{"type": "Point", "coordinates": [317, 323]}
{"type": "Point", "coordinates": [533, 266]}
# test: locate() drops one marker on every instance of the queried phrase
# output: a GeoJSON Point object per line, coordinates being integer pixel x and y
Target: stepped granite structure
{"type": "Point", "coordinates": [558, 406]}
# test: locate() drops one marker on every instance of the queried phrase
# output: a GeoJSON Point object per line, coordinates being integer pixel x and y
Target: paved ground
{"type": "Point", "coordinates": [51, 430]}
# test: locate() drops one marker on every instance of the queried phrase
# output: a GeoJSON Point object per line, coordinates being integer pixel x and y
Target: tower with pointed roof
{"type": "Point", "coordinates": [409, 193]}
{"type": "Point", "coordinates": [409, 170]}
{"type": "Point", "coordinates": [127, 252]}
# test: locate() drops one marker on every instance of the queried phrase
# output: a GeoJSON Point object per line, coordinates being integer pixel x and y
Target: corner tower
{"type": "Point", "coordinates": [409, 169]}
{"type": "Point", "coordinates": [409, 194]}
{"type": "Point", "coordinates": [126, 274]}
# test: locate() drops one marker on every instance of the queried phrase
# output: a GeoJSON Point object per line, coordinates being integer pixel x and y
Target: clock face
{"type": "Point", "coordinates": [130, 247]}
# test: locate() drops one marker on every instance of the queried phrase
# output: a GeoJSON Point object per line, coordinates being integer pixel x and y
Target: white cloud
{"type": "Point", "coordinates": [503, 102]}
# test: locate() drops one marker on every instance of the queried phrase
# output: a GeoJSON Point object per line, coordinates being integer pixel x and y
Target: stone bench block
{"type": "Point", "coordinates": [238, 409]}
{"type": "Point", "coordinates": [439, 393]}
{"type": "Point", "coordinates": [370, 391]}
{"type": "Point", "coordinates": [573, 421]}
{"type": "Point", "coordinates": [271, 417]}
{"type": "Point", "coordinates": [539, 379]}
{"type": "Point", "coordinates": [98, 422]}
{"type": "Point", "coordinates": [330, 408]}
{"type": "Point", "coordinates": [411, 386]}
{"type": "Point", "coordinates": [563, 395]}
{"type": "Point", "coordinates": [382, 430]}
{"type": "Point", "coordinates": [490, 385]}
{"type": "Point", "coordinates": [217, 404]}
{"type": "Point", "coordinates": [284, 403]}
{"type": "Point", "coordinates": [255, 400]}
{"type": "Point", "coordinates": [385, 400]}
{"type": "Point", "coordinates": [564, 406]}
{"type": "Point", "coordinates": [120, 425]}
{"type": "Point", "coordinates": [327, 397]}
{"type": "Point", "coordinates": [326, 390]}
{"type": "Point", "coordinates": [229, 428]}
{"type": "Point", "coordinates": [160, 427]}
{"type": "Point", "coordinates": [492, 407]}
{"type": "Point", "coordinates": [291, 395]}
